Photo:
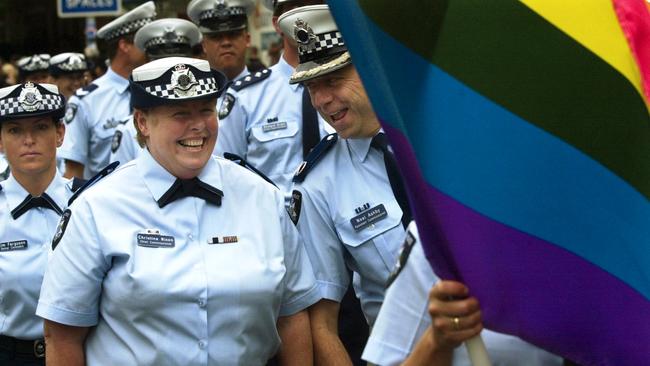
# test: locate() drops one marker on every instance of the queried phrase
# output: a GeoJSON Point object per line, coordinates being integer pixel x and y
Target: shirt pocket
{"type": "Point", "coordinates": [268, 132]}
{"type": "Point", "coordinates": [374, 240]}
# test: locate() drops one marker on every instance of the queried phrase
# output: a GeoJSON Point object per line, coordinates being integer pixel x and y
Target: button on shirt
{"type": "Point", "coordinates": [276, 152]}
{"type": "Point", "coordinates": [90, 132]}
{"type": "Point", "coordinates": [24, 246]}
{"type": "Point", "coordinates": [351, 182]}
{"type": "Point", "coordinates": [404, 318]}
{"type": "Point", "coordinates": [209, 293]}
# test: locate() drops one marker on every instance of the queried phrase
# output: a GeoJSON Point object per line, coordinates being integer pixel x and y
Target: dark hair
{"type": "Point", "coordinates": [111, 46]}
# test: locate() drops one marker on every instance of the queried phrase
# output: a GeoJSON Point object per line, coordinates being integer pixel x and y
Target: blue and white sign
{"type": "Point", "coordinates": [88, 8]}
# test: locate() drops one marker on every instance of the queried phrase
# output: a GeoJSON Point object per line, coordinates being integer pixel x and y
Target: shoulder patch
{"type": "Point", "coordinates": [242, 162]}
{"type": "Point", "coordinates": [70, 112]}
{"type": "Point", "coordinates": [314, 157]}
{"type": "Point", "coordinates": [226, 105]}
{"type": "Point", "coordinates": [294, 206]}
{"type": "Point", "coordinates": [403, 257]}
{"type": "Point", "coordinates": [60, 229]}
{"type": "Point", "coordinates": [80, 93]}
{"type": "Point", "coordinates": [104, 172]}
{"type": "Point", "coordinates": [117, 140]}
{"type": "Point", "coordinates": [251, 79]}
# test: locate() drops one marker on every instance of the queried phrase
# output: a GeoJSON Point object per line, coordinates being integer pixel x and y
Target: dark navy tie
{"type": "Point", "coordinates": [310, 130]}
{"type": "Point", "coordinates": [380, 142]}
{"type": "Point", "coordinates": [191, 188]}
{"type": "Point", "coordinates": [30, 202]}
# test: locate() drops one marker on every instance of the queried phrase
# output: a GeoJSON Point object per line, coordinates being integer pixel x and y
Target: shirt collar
{"type": "Point", "coordinates": [121, 84]}
{"type": "Point", "coordinates": [158, 180]}
{"type": "Point", "coordinates": [242, 74]}
{"type": "Point", "coordinates": [16, 194]}
{"type": "Point", "coordinates": [287, 70]}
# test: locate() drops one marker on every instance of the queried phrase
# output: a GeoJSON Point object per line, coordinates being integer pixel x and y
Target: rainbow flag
{"type": "Point", "coordinates": [523, 132]}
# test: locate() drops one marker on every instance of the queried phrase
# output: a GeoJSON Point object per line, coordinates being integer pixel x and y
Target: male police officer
{"type": "Point", "coordinates": [224, 24]}
{"type": "Point", "coordinates": [94, 111]}
{"type": "Point", "coordinates": [268, 122]}
{"type": "Point", "coordinates": [158, 39]}
{"type": "Point", "coordinates": [351, 209]}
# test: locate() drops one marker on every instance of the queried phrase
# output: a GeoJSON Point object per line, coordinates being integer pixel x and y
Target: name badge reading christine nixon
{"type": "Point", "coordinates": [369, 217]}
{"type": "Point", "coordinates": [155, 241]}
{"type": "Point", "coordinates": [10, 246]}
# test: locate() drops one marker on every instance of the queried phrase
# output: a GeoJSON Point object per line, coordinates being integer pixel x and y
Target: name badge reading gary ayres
{"type": "Point", "coordinates": [369, 217]}
{"type": "Point", "coordinates": [155, 240]}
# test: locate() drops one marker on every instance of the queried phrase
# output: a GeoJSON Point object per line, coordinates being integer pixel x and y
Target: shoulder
{"type": "Point", "coordinates": [86, 90]}
{"type": "Point", "coordinates": [250, 80]}
{"type": "Point", "coordinates": [315, 156]}
{"type": "Point", "coordinates": [101, 185]}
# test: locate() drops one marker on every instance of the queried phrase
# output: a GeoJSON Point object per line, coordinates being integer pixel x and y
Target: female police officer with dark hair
{"type": "Point", "coordinates": [32, 200]}
{"type": "Point", "coordinates": [178, 257]}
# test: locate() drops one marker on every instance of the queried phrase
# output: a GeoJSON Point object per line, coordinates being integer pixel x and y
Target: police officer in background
{"type": "Point", "coordinates": [178, 257]}
{"type": "Point", "coordinates": [67, 72]}
{"type": "Point", "coordinates": [94, 111]}
{"type": "Point", "coordinates": [34, 68]}
{"type": "Point", "coordinates": [268, 122]}
{"type": "Point", "coordinates": [160, 38]}
{"type": "Point", "coordinates": [349, 202]}
{"type": "Point", "coordinates": [32, 200]}
{"type": "Point", "coordinates": [224, 24]}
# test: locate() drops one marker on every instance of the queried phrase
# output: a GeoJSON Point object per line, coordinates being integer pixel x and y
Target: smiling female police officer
{"type": "Point", "coordinates": [31, 202]}
{"type": "Point", "coordinates": [178, 257]}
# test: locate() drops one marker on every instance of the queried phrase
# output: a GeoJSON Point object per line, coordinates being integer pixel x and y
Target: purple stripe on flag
{"type": "Point", "coordinates": [527, 286]}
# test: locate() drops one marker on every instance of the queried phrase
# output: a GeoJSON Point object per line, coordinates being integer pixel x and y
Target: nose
{"type": "Point", "coordinates": [29, 138]}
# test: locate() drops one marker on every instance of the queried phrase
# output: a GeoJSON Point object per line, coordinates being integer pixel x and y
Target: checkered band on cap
{"type": "Point", "coordinates": [157, 41]}
{"type": "Point", "coordinates": [325, 45]}
{"type": "Point", "coordinates": [204, 87]}
{"type": "Point", "coordinates": [127, 28]}
{"type": "Point", "coordinates": [49, 102]}
{"type": "Point", "coordinates": [34, 63]}
{"type": "Point", "coordinates": [222, 13]}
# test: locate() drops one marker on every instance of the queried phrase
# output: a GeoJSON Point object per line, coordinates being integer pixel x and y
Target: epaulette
{"type": "Point", "coordinates": [77, 183]}
{"type": "Point", "coordinates": [314, 157]}
{"type": "Point", "coordinates": [80, 93]}
{"type": "Point", "coordinates": [242, 162]}
{"type": "Point", "coordinates": [104, 172]}
{"type": "Point", "coordinates": [251, 79]}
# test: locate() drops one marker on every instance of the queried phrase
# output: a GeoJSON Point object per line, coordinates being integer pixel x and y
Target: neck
{"type": "Point", "coordinates": [290, 53]}
{"type": "Point", "coordinates": [35, 184]}
{"type": "Point", "coordinates": [231, 74]}
{"type": "Point", "coordinates": [121, 67]}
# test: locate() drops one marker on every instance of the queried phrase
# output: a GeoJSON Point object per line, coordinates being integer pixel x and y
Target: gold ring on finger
{"type": "Point", "coordinates": [456, 322]}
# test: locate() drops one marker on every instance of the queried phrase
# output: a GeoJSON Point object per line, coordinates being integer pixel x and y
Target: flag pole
{"type": "Point", "coordinates": [477, 352]}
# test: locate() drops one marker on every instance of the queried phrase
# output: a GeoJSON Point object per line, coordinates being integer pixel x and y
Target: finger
{"type": "Point", "coordinates": [445, 289]}
{"type": "Point", "coordinates": [453, 307]}
{"type": "Point", "coordinates": [457, 323]}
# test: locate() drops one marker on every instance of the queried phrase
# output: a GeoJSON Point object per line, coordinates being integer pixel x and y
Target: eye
{"type": "Point", "coordinates": [42, 126]}
{"type": "Point", "coordinates": [14, 130]}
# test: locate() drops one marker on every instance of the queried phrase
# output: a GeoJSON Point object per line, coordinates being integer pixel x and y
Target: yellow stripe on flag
{"type": "Point", "coordinates": [594, 24]}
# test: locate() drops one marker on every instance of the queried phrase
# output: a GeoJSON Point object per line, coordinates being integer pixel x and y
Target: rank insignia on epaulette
{"type": "Point", "coordinates": [251, 79]}
{"type": "Point", "coordinates": [404, 253]}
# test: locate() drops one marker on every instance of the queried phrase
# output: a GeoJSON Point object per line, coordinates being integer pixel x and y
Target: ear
{"type": "Point", "coordinates": [60, 133]}
{"type": "Point", "coordinates": [248, 39]}
{"type": "Point", "coordinates": [140, 120]}
{"type": "Point", "coordinates": [123, 45]}
{"type": "Point", "coordinates": [276, 26]}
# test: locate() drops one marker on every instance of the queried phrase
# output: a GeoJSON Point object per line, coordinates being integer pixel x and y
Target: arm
{"type": "Point", "coordinates": [328, 349]}
{"type": "Point", "coordinates": [73, 169]}
{"type": "Point", "coordinates": [64, 344]}
{"type": "Point", "coordinates": [447, 300]}
{"type": "Point", "coordinates": [296, 348]}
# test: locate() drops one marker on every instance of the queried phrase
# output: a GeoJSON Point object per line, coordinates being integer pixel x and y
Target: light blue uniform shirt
{"type": "Point", "coordinates": [22, 268]}
{"type": "Point", "coordinates": [349, 177]}
{"type": "Point", "coordinates": [195, 303]}
{"type": "Point", "coordinates": [275, 152]}
{"type": "Point", "coordinates": [91, 119]}
{"type": "Point", "coordinates": [125, 147]}
{"type": "Point", "coordinates": [404, 318]}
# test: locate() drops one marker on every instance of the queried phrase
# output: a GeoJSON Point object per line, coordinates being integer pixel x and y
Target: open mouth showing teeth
{"type": "Point", "coordinates": [338, 115]}
{"type": "Point", "coordinates": [192, 143]}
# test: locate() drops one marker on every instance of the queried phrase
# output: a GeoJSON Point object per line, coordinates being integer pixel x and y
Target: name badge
{"type": "Point", "coordinates": [156, 241]}
{"type": "Point", "coordinates": [369, 217]}
{"type": "Point", "coordinates": [10, 246]}
{"type": "Point", "coordinates": [274, 126]}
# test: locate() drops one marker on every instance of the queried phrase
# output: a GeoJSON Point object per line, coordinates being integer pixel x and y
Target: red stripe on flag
{"type": "Point", "coordinates": [634, 17]}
